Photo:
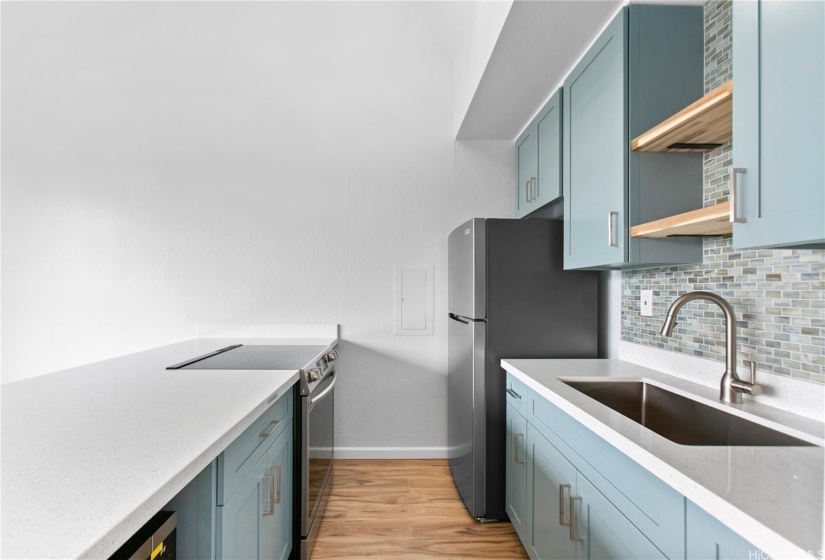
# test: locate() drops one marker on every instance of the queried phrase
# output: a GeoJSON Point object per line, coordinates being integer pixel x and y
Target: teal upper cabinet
{"type": "Point", "coordinates": [779, 124]}
{"type": "Point", "coordinates": [646, 66]}
{"type": "Point", "coordinates": [526, 170]}
{"type": "Point", "coordinates": [538, 159]}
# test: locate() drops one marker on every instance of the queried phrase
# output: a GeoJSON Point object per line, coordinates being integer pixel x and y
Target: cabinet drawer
{"type": "Point", "coordinates": [655, 508]}
{"type": "Point", "coordinates": [243, 454]}
{"type": "Point", "coordinates": [517, 394]}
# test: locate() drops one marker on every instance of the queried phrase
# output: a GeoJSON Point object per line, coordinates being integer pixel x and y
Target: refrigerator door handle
{"type": "Point", "coordinates": [455, 317]}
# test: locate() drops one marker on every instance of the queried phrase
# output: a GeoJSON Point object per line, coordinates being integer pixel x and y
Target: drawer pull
{"type": "Point", "coordinates": [573, 524]}
{"type": "Point", "coordinates": [277, 499]}
{"type": "Point", "coordinates": [274, 487]}
{"type": "Point", "coordinates": [515, 441]}
{"type": "Point", "coordinates": [512, 393]}
{"type": "Point", "coordinates": [272, 426]}
{"type": "Point", "coordinates": [561, 504]}
{"type": "Point", "coordinates": [271, 500]}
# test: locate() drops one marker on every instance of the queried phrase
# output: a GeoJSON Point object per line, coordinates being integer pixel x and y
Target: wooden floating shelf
{"type": "Point", "coordinates": [713, 220]}
{"type": "Point", "coordinates": [708, 121]}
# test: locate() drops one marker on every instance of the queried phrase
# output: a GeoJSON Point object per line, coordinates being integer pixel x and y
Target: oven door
{"type": "Point", "coordinates": [318, 426]}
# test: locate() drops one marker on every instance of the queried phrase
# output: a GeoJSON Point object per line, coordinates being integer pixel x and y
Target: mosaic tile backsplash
{"type": "Point", "coordinates": [778, 295]}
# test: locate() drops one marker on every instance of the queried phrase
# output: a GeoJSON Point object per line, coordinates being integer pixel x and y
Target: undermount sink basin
{"type": "Point", "coordinates": [680, 419]}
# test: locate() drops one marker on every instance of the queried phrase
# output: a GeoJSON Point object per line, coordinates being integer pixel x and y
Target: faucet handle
{"type": "Point", "coordinates": [751, 387]}
{"type": "Point", "coordinates": [751, 364]}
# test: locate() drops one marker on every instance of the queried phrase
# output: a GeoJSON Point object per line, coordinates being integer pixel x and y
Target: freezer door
{"type": "Point", "coordinates": [466, 260]}
{"type": "Point", "coordinates": [466, 433]}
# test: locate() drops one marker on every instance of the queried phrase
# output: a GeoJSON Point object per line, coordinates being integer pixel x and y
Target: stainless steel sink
{"type": "Point", "coordinates": [680, 419]}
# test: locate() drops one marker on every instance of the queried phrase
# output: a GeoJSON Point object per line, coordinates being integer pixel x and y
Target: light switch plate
{"type": "Point", "coordinates": [646, 303]}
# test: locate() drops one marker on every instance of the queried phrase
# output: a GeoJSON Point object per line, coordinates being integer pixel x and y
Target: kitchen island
{"type": "Point", "coordinates": [90, 454]}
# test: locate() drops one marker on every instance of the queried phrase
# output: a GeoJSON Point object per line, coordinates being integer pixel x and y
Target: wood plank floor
{"type": "Point", "coordinates": [405, 509]}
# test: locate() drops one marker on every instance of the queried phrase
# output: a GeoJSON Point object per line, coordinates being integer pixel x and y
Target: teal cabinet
{"type": "Point", "coordinates": [538, 159]}
{"type": "Point", "coordinates": [526, 171]}
{"type": "Point", "coordinates": [709, 539]}
{"type": "Point", "coordinates": [255, 522]}
{"type": "Point", "coordinates": [647, 65]}
{"type": "Point", "coordinates": [551, 482]}
{"type": "Point", "coordinates": [571, 518]}
{"type": "Point", "coordinates": [241, 504]}
{"type": "Point", "coordinates": [587, 500]}
{"type": "Point", "coordinates": [516, 471]}
{"type": "Point", "coordinates": [779, 124]}
{"type": "Point", "coordinates": [601, 531]}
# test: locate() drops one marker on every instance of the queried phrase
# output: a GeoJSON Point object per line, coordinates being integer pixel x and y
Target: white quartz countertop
{"type": "Point", "coordinates": [772, 496]}
{"type": "Point", "coordinates": [90, 454]}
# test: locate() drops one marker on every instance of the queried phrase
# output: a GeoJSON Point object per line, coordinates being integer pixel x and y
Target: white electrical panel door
{"type": "Point", "coordinates": [413, 300]}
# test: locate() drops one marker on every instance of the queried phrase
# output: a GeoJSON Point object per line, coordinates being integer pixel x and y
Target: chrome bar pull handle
{"type": "Point", "coordinates": [573, 525]}
{"type": "Point", "coordinates": [516, 445]}
{"type": "Point", "coordinates": [271, 500]}
{"type": "Point", "coordinates": [611, 241]}
{"type": "Point", "coordinates": [277, 499]}
{"type": "Point", "coordinates": [512, 393]}
{"type": "Point", "coordinates": [734, 215]}
{"type": "Point", "coordinates": [561, 504]}
{"type": "Point", "coordinates": [272, 426]}
{"type": "Point", "coordinates": [527, 191]}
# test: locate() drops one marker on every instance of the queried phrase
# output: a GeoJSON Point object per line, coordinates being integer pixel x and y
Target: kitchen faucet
{"type": "Point", "coordinates": [732, 387]}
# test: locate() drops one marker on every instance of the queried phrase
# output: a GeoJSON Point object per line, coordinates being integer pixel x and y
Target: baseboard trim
{"type": "Point", "coordinates": [390, 452]}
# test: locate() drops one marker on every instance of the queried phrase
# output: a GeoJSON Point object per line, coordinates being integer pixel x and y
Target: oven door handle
{"type": "Point", "coordinates": [323, 393]}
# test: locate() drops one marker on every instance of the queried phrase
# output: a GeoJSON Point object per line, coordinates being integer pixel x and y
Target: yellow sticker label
{"type": "Point", "coordinates": [158, 550]}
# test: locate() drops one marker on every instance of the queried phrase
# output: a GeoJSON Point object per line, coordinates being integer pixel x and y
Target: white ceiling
{"type": "Point", "coordinates": [538, 45]}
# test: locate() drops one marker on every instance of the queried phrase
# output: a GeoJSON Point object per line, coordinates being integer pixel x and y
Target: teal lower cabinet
{"type": "Point", "coordinates": [240, 505]}
{"type": "Point", "coordinates": [586, 499]}
{"type": "Point", "coordinates": [517, 471]}
{"type": "Point", "coordinates": [601, 531]}
{"type": "Point", "coordinates": [551, 481]}
{"type": "Point", "coordinates": [571, 518]}
{"type": "Point", "coordinates": [709, 539]}
{"type": "Point", "coordinates": [256, 521]}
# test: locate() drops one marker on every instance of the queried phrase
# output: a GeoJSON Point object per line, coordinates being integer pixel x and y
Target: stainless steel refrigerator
{"type": "Point", "coordinates": [509, 297]}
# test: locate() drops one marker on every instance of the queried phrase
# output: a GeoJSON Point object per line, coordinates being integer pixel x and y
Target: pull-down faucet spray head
{"type": "Point", "coordinates": [670, 322]}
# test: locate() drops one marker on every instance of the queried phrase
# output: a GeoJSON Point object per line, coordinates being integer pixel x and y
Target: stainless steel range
{"type": "Point", "coordinates": [317, 426]}
{"type": "Point", "coordinates": [314, 421]}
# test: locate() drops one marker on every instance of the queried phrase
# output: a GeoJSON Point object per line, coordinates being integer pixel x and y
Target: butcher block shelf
{"type": "Point", "coordinates": [699, 127]}
{"type": "Point", "coordinates": [713, 220]}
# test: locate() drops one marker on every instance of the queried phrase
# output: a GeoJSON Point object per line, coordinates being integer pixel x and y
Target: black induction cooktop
{"type": "Point", "coordinates": [251, 356]}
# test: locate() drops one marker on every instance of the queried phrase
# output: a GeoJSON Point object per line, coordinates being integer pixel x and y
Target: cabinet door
{"type": "Point", "coordinates": [517, 505]}
{"type": "Point", "coordinates": [708, 538]}
{"type": "Point", "coordinates": [603, 532]}
{"type": "Point", "coordinates": [551, 479]}
{"type": "Point", "coordinates": [242, 520]}
{"type": "Point", "coordinates": [779, 123]}
{"type": "Point", "coordinates": [548, 148]}
{"type": "Point", "coordinates": [277, 536]}
{"type": "Point", "coordinates": [595, 152]}
{"type": "Point", "coordinates": [255, 523]}
{"type": "Point", "coordinates": [526, 171]}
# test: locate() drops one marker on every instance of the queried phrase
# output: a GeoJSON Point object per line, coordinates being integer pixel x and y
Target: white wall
{"type": "Point", "coordinates": [166, 165]}
{"type": "Point", "coordinates": [470, 31]}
